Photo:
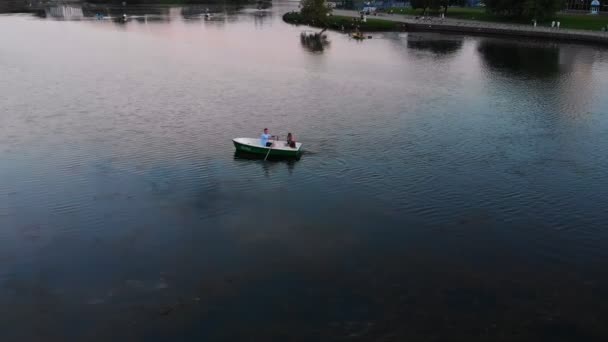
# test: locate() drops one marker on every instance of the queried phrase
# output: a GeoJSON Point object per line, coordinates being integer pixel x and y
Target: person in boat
{"type": "Point", "coordinates": [264, 138]}
{"type": "Point", "coordinates": [291, 142]}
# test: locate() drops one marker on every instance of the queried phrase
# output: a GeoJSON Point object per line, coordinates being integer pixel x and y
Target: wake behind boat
{"type": "Point", "coordinates": [279, 148]}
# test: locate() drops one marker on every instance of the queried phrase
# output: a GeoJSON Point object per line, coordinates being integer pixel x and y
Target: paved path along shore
{"type": "Point", "coordinates": [489, 28]}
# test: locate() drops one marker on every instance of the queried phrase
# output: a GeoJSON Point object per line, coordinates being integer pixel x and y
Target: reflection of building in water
{"type": "Point", "coordinates": [175, 12]}
{"type": "Point", "coordinates": [65, 12]}
{"type": "Point", "coordinates": [569, 55]}
{"type": "Point", "coordinates": [260, 17]}
{"type": "Point", "coordinates": [577, 78]}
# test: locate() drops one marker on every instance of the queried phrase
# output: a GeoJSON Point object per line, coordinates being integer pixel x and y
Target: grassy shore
{"type": "Point", "coordinates": [567, 20]}
{"type": "Point", "coordinates": [582, 22]}
{"type": "Point", "coordinates": [337, 22]}
{"type": "Point", "coordinates": [456, 13]}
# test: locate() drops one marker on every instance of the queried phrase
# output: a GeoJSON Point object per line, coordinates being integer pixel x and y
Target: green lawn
{"type": "Point", "coordinates": [568, 21]}
{"type": "Point", "coordinates": [337, 22]}
{"type": "Point", "coordinates": [582, 22]}
{"type": "Point", "coordinates": [454, 12]}
{"type": "Point", "coordinates": [571, 21]}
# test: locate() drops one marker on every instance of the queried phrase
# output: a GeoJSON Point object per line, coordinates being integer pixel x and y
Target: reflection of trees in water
{"type": "Point", "coordinates": [260, 17]}
{"type": "Point", "coordinates": [141, 11]}
{"type": "Point", "coordinates": [192, 4]}
{"type": "Point", "coordinates": [140, 6]}
{"type": "Point", "coordinates": [536, 59]}
{"type": "Point", "coordinates": [437, 44]}
{"type": "Point", "coordinates": [171, 2]}
{"type": "Point", "coordinates": [264, 4]}
{"type": "Point", "coordinates": [75, 12]}
{"type": "Point", "coordinates": [22, 6]}
{"type": "Point", "coordinates": [565, 72]}
{"type": "Point", "coordinates": [197, 11]}
{"type": "Point", "coordinates": [157, 12]}
{"type": "Point", "coordinates": [314, 41]}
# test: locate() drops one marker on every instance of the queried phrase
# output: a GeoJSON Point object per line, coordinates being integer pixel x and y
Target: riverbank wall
{"type": "Point", "coordinates": [471, 27]}
{"type": "Point", "coordinates": [533, 33]}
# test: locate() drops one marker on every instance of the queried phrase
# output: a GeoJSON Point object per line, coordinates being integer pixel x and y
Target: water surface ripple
{"type": "Point", "coordinates": [452, 188]}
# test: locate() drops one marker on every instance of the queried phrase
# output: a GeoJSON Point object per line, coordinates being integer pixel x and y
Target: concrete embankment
{"type": "Point", "coordinates": [489, 28]}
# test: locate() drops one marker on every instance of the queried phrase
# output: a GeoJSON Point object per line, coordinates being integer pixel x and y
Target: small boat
{"type": "Point", "coordinates": [358, 35]}
{"type": "Point", "coordinates": [279, 148]}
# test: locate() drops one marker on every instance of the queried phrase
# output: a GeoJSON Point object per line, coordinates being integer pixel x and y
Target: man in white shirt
{"type": "Point", "coordinates": [264, 138]}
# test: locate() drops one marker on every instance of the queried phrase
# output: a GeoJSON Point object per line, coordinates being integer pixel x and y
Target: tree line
{"type": "Point", "coordinates": [177, 2]}
{"type": "Point", "coordinates": [529, 9]}
{"type": "Point", "coordinates": [435, 5]}
{"type": "Point", "coordinates": [516, 9]}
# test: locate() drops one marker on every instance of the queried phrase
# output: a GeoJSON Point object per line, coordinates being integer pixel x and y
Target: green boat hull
{"type": "Point", "coordinates": [263, 151]}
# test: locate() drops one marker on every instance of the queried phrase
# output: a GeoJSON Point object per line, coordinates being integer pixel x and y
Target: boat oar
{"type": "Point", "coordinates": [268, 152]}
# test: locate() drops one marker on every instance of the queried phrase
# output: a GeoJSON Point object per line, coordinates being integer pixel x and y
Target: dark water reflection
{"type": "Point", "coordinates": [435, 43]}
{"type": "Point", "coordinates": [534, 59]}
{"type": "Point", "coordinates": [452, 188]}
{"type": "Point", "coordinates": [136, 11]}
{"type": "Point", "coordinates": [314, 41]}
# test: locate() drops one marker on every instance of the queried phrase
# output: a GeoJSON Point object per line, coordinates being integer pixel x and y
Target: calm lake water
{"type": "Point", "coordinates": [452, 187]}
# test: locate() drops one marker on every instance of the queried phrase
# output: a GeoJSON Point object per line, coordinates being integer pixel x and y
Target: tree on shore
{"type": "Point", "coordinates": [314, 11]}
{"type": "Point", "coordinates": [425, 5]}
{"type": "Point", "coordinates": [435, 5]}
{"type": "Point", "coordinates": [524, 9]}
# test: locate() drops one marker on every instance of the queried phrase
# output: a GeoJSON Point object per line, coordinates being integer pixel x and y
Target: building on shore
{"type": "Point", "coordinates": [379, 4]}
{"type": "Point", "coordinates": [587, 6]}
{"type": "Point", "coordinates": [595, 7]}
